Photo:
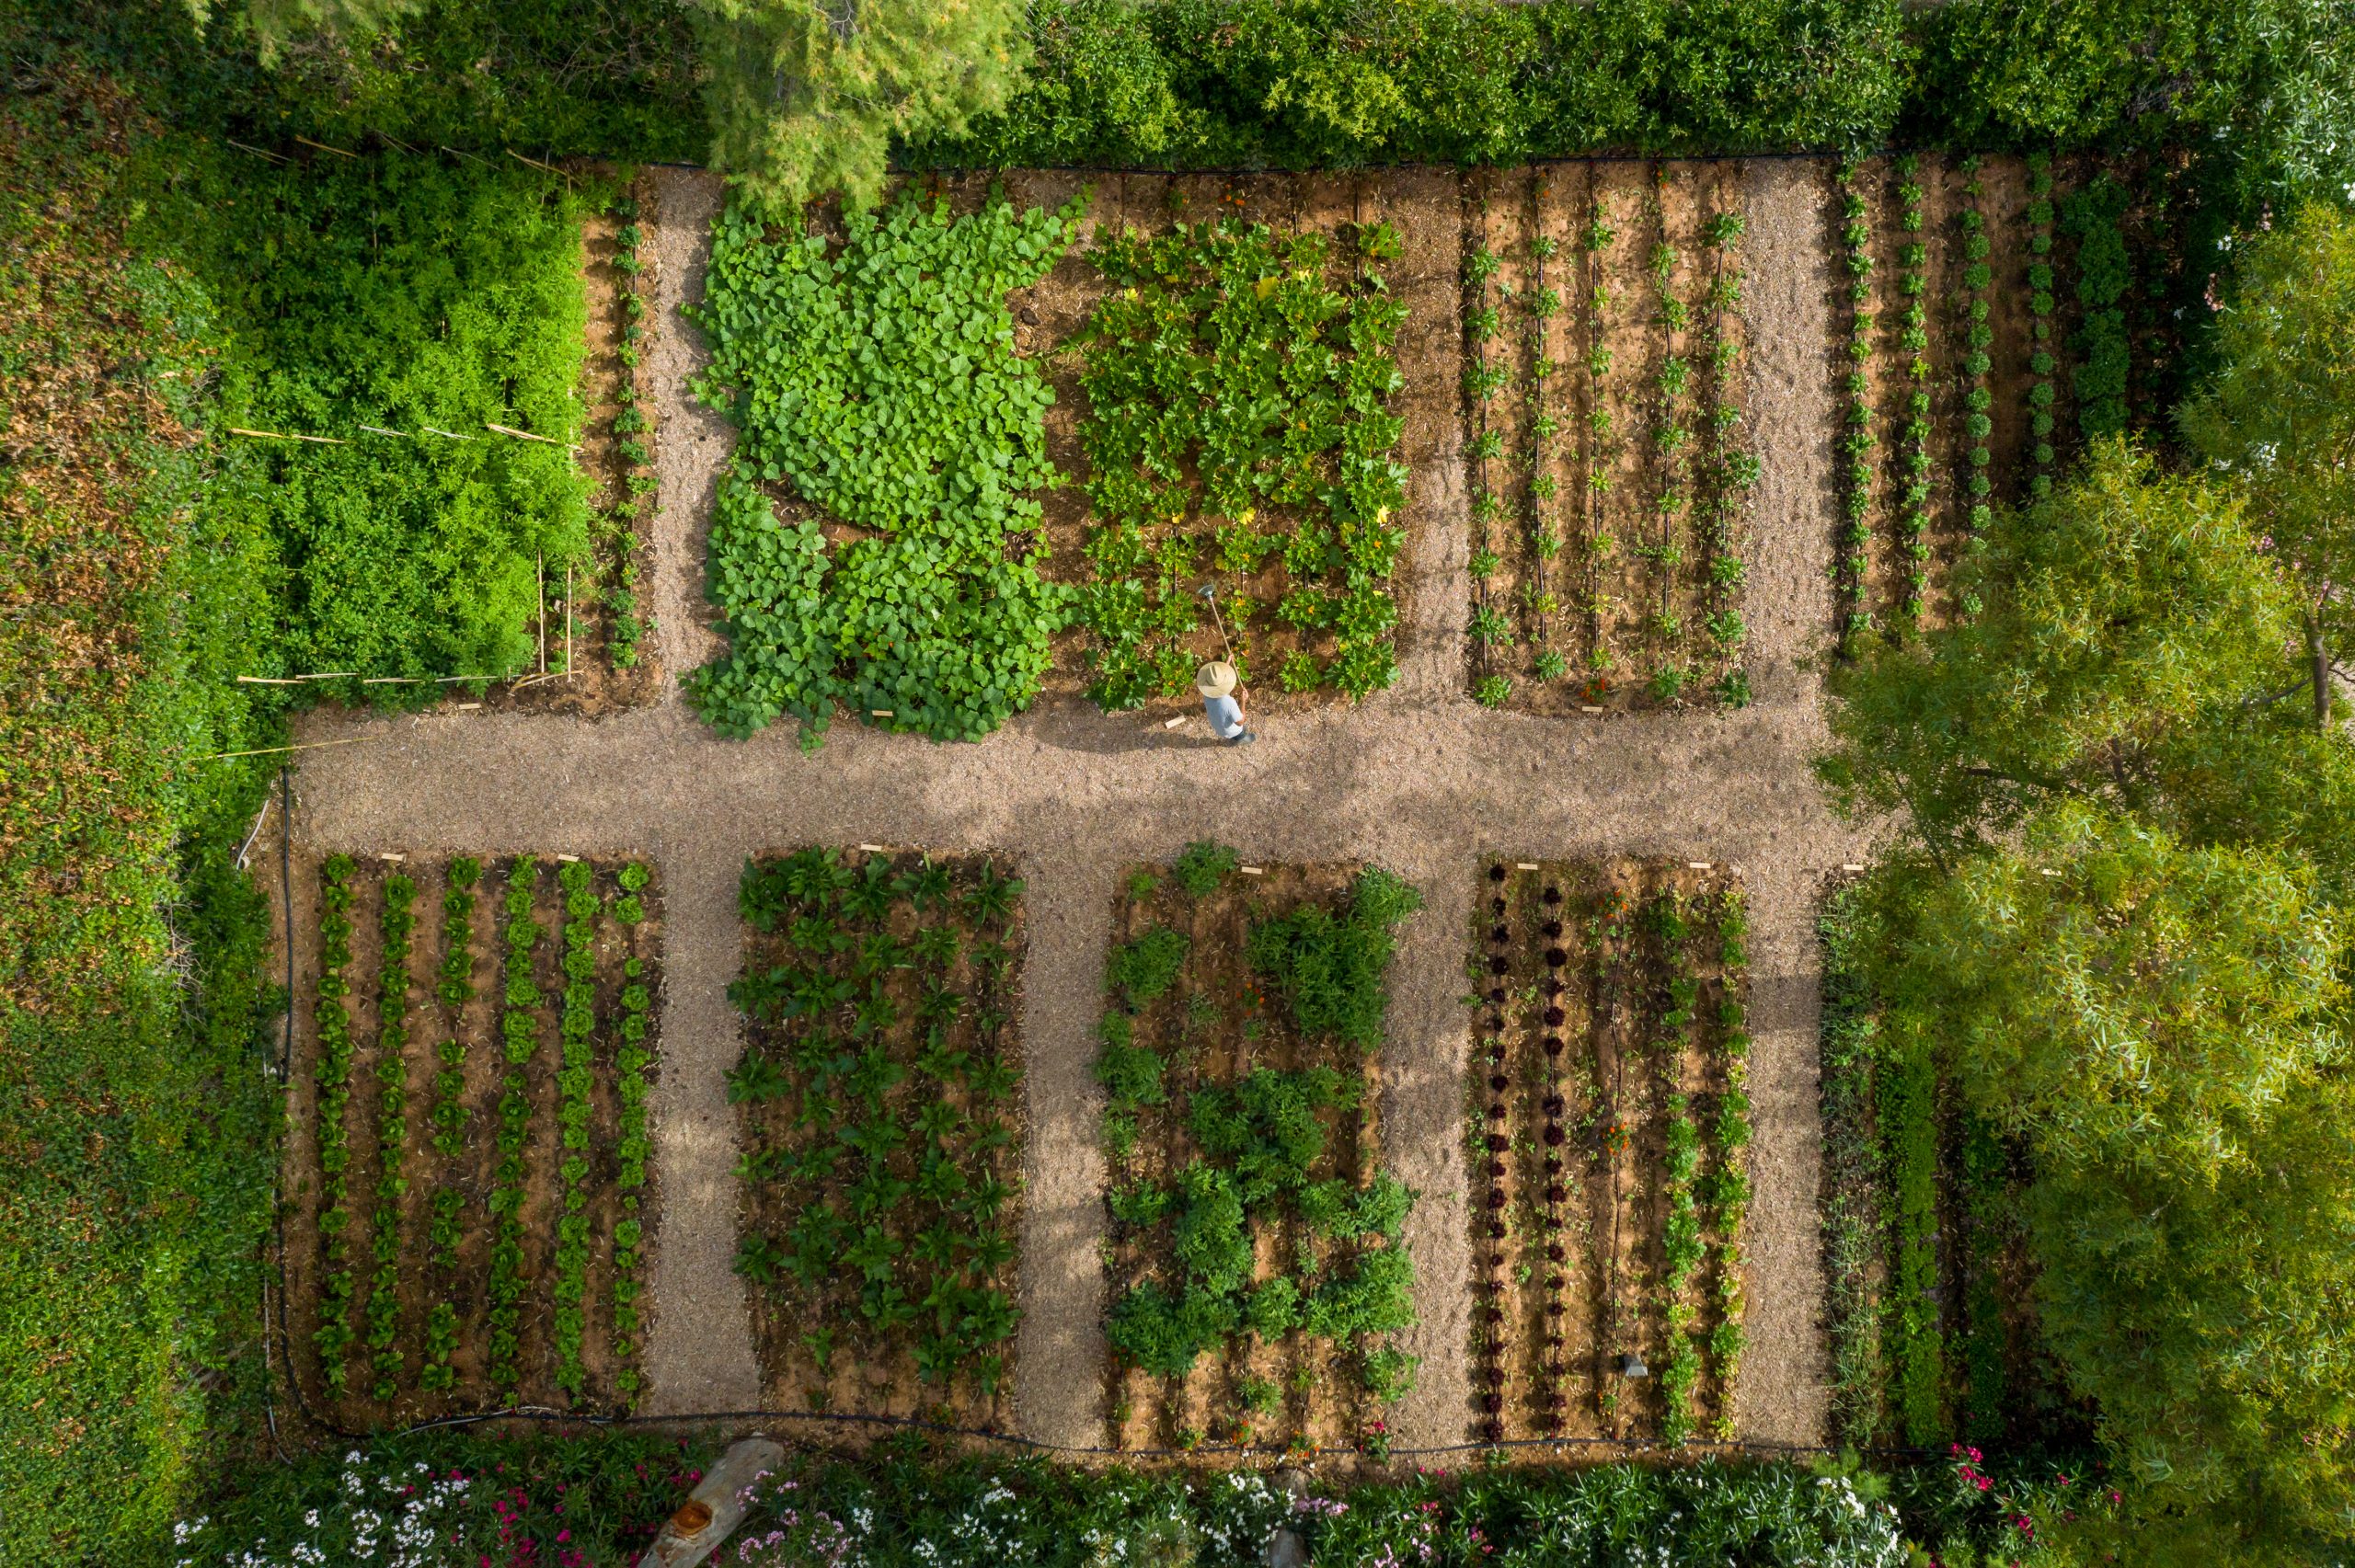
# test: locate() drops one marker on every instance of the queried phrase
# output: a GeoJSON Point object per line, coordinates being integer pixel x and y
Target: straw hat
{"type": "Point", "coordinates": [1215, 679]}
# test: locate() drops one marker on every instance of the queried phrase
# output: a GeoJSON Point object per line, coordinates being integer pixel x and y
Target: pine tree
{"type": "Point", "coordinates": [807, 95]}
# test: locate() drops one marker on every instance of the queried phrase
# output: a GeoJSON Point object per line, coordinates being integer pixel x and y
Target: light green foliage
{"type": "Point", "coordinates": [1238, 419]}
{"type": "Point", "coordinates": [136, 1126]}
{"type": "Point", "coordinates": [1332, 968]}
{"type": "Point", "coordinates": [2278, 418]}
{"type": "Point", "coordinates": [2123, 930]}
{"type": "Point", "coordinates": [806, 99]}
{"type": "Point", "coordinates": [2120, 613]}
{"type": "Point", "coordinates": [879, 379]}
{"type": "Point", "coordinates": [405, 292]}
{"type": "Point", "coordinates": [1142, 970]}
{"type": "Point", "coordinates": [1265, 1126]}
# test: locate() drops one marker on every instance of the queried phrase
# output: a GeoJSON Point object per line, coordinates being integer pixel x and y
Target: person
{"type": "Point", "coordinates": [1222, 701]}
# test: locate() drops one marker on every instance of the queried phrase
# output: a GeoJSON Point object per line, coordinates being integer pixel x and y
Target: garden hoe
{"type": "Point", "coordinates": [1210, 596]}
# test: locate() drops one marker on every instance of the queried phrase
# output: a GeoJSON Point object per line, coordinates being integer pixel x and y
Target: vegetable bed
{"type": "Point", "coordinates": [1254, 1246]}
{"type": "Point", "coordinates": [1238, 432]}
{"type": "Point", "coordinates": [1607, 1123]}
{"type": "Point", "coordinates": [1604, 385]}
{"type": "Point", "coordinates": [882, 1092]}
{"type": "Point", "coordinates": [472, 1204]}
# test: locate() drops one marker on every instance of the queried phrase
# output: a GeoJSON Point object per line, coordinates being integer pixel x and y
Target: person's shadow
{"type": "Point", "coordinates": [1074, 724]}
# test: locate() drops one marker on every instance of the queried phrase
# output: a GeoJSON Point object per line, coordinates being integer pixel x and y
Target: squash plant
{"type": "Point", "coordinates": [876, 378]}
{"type": "Point", "coordinates": [1238, 423]}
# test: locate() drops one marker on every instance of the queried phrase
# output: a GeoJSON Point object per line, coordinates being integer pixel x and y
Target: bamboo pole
{"type": "Point", "coordinates": [323, 147]}
{"type": "Point", "coordinates": [387, 136]}
{"type": "Point", "coordinates": [524, 435]}
{"type": "Point", "coordinates": [380, 431]}
{"type": "Point", "coordinates": [447, 148]}
{"type": "Point", "coordinates": [256, 152]}
{"type": "Point", "coordinates": [283, 436]}
{"type": "Point", "coordinates": [567, 620]}
{"type": "Point", "coordinates": [274, 751]}
{"type": "Point", "coordinates": [542, 561]}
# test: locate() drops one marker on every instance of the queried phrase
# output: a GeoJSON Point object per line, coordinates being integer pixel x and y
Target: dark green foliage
{"type": "Point", "coordinates": [1202, 867]}
{"type": "Point", "coordinates": [2103, 278]}
{"type": "Point", "coordinates": [1142, 970]}
{"type": "Point", "coordinates": [879, 379]}
{"type": "Point", "coordinates": [1131, 1073]}
{"type": "Point", "coordinates": [1197, 83]}
{"type": "Point", "coordinates": [1265, 1126]}
{"type": "Point", "coordinates": [1331, 968]}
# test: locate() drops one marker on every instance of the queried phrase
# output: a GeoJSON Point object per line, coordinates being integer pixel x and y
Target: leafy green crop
{"type": "Point", "coordinates": [413, 294]}
{"type": "Point", "coordinates": [878, 379]}
{"type": "Point", "coordinates": [1332, 967]}
{"type": "Point", "coordinates": [1238, 422]}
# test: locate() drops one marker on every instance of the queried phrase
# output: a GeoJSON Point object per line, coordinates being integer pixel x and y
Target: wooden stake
{"type": "Point", "coordinates": [542, 561]}
{"type": "Point", "coordinates": [567, 620]}
{"type": "Point", "coordinates": [538, 164]}
{"type": "Point", "coordinates": [274, 751]}
{"type": "Point", "coordinates": [523, 435]}
{"type": "Point", "coordinates": [283, 436]}
{"type": "Point", "coordinates": [323, 147]}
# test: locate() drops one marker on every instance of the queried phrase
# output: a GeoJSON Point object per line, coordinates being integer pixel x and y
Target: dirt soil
{"type": "Point", "coordinates": [421, 1282]}
{"type": "Point", "coordinates": [1418, 779]}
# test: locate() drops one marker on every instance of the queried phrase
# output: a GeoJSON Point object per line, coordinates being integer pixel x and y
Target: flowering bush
{"type": "Point", "coordinates": [449, 1500]}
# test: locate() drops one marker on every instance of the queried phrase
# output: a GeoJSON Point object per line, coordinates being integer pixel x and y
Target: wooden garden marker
{"type": "Point", "coordinates": [1174, 723]}
{"type": "Point", "coordinates": [1697, 866]}
{"type": "Point", "coordinates": [567, 859]}
{"type": "Point", "coordinates": [1526, 865]}
{"type": "Point", "coordinates": [1850, 866]}
{"type": "Point", "coordinates": [881, 713]}
{"type": "Point", "coordinates": [395, 859]}
{"type": "Point", "coordinates": [1584, 710]}
{"type": "Point", "coordinates": [1250, 871]}
{"type": "Point", "coordinates": [872, 849]}
{"type": "Point", "coordinates": [469, 707]}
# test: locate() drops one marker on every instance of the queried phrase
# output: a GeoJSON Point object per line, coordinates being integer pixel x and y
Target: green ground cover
{"type": "Point", "coordinates": [135, 1121]}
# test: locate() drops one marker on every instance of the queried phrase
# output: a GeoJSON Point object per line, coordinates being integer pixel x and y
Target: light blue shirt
{"type": "Point", "coordinates": [1225, 714]}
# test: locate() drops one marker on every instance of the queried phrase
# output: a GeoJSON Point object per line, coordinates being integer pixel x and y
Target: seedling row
{"type": "Point", "coordinates": [881, 1090]}
{"type": "Point", "coordinates": [1254, 1239]}
{"type": "Point", "coordinates": [1609, 475]}
{"type": "Point", "coordinates": [1608, 1120]}
{"type": "Point", "coordinates": [474, 1219]}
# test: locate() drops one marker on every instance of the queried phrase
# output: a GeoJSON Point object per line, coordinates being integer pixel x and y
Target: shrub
{"type": "Point", "coordinates": [1144, 969]}
{"type": "Point", "coordinates": [1332, 968]}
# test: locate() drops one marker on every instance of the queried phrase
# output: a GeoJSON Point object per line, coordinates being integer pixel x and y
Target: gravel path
{"type": "Point", "coordinates": [1418, 778]}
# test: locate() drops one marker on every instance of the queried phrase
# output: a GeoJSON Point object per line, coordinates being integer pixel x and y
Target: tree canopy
{"type": "Point", "coordinates": [2119, 914]}
{"type": "Point", "coordinates": [2278, 418]}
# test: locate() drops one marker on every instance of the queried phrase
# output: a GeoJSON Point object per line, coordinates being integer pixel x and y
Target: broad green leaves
{"type": "Point", "coordinates": [879, 380]}
{"type": "Point", "coordinates": [1239, 421]}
